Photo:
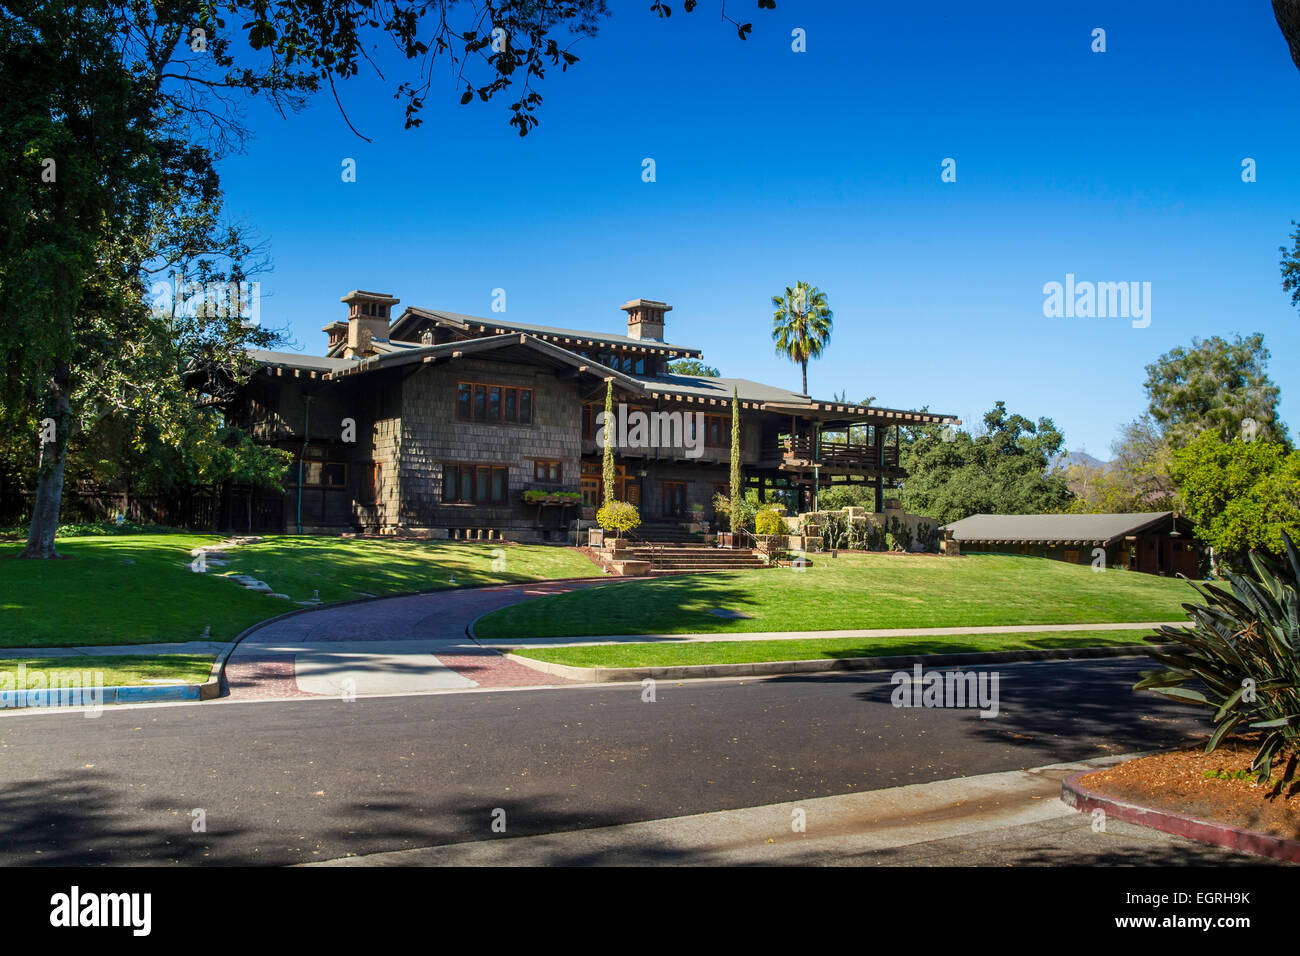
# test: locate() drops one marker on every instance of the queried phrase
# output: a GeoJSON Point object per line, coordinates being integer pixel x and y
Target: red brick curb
{"type": "Point", "coordinates": [1074, 794]}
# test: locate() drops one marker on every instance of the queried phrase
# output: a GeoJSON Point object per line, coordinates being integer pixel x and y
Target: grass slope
{"type": "Point", "coordinates": [117, 670]}
{"type": "Point", "coordinates": [136, 589]}
{"type": "Point", "coordinates": [673, 654]}
{"type": "Point", "coordinates": [854, 592]}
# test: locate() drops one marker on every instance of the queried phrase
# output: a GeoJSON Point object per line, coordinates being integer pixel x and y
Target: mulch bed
{"type": "Point", "coordinates": [1176, 781]}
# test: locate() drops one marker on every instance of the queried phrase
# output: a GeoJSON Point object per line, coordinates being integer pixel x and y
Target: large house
{"type": "Point", "coordinates": [448, 425]}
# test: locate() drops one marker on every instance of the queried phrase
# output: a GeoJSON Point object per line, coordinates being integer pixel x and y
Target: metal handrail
{"type": "Point", "coordinates": [656, 547]}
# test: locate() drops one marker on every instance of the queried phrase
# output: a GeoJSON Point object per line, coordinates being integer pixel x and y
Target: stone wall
{"type": "Point", "coordinates": [873, 525]}
{"type": "Point", "coordinates": [431, 438]}
{"type": "Point", "coordinates": [380, 422]}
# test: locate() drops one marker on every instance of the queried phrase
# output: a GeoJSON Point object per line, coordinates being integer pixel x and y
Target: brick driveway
{"type": "Point", "coordinates": [392, 645]}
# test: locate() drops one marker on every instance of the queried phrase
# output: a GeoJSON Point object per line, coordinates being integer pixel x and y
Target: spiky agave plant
{"type": "Point", "coordinates": [1243, 647]}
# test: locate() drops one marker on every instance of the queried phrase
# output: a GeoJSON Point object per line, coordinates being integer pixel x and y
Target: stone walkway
{"type": "Point", "coordinates": [411, 644]}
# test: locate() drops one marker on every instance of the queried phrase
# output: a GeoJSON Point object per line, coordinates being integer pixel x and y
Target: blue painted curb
{"type": "Point", "coordinates": [73, 697]}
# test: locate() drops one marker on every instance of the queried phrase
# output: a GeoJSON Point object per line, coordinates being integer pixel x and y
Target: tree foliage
{"type": "Point", "coordinates": [609, 473]}
{"type": "Point", "coordinates": [1216, 385]}
{"type": "Point", "coordinates": [1287, 14]}
{"type": "Point", "coordinates": [1135, 480]}
{"type": "Point", "coordinates": [801, 325]}
{"type": "Point", "coordinates": [618, 516]}
{"type": "Point", "coordinates": [769, 520]}
{"type": "Point", "coordinates": [692, 367]}
{"type": "Point", "coordinates": [115, 112]}
{"type": "Point", "coordinates": [1242, 495]}
{"type": "Point", "coordinates": [1291, 257]}
{"type": "Point", "coordinates": [1006, 470]}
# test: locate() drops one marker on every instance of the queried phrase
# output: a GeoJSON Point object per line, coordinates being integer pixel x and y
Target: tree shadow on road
{"type": "Point", "coordinates": [81, 820]}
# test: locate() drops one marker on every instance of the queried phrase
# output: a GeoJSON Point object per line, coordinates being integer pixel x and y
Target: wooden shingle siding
{"type": "Point", "coordinates": [432, 437]}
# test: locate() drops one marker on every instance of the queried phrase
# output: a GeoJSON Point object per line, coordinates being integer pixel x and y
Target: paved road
{"type": "Point", "coordinates": [318, 778]}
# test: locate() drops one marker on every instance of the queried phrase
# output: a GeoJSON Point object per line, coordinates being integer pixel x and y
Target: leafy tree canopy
{"type": "Point", "coordinates": [1137, 479]}
{"type": "Point", "coordinates": [693, 367]}
{"type": "Point", "coordinates": [115, 112]}
{"type": "Point", "coordinates": [1241, 494]}
{"type": "Point", "coordinates": [1217, 385]}
{"type": "Point", "coordinates": [801, 325]}
{"type": "Point", "coordinates": [1005, 470]}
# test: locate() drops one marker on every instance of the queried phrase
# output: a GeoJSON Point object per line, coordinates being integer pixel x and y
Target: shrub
{"type": "Point", "coordinates": [900, 535]}
{"type": "Point", "coordinates": [927, 536]}
{"type": "Point", "coordinates": [538, 494]}
{"type": "Point", "coordinates": [618, 516]}
{"type": "Point", "coordinates": [876, 538]}
{"type": "Point", "coordinates": [1243, 647]}
{"type": "Point", "coordinates": [769, 521]}
{"type": "Point", "coordinates": [722, 512]}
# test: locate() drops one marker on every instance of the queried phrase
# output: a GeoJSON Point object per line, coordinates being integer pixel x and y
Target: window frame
{"type": "Point", "coordinates": [513, 404]}
{"type": "Point", "coordinates": [542, 468]}
{"type": "Point", "coordinates": [475, 483]}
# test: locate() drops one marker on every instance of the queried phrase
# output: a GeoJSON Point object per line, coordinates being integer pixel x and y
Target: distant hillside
{"type": "Point", "coordinates": [1080, 458]}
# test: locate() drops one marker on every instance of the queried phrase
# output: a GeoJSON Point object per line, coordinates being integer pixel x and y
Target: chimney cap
{"type": "Point", "coordinates": [359, 294]}
{"type": "Point", "coordinates": [646, 304]}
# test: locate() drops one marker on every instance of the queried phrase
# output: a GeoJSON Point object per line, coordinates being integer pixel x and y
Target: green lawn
{"type": "Point", "coordinates": [118, 670]}
{"type": "Point", "coordinates": [854, 592]}
{"type": "Point", "coordinates": [136, 589]}
{"type": "Point", "coordinates": [676, 654]}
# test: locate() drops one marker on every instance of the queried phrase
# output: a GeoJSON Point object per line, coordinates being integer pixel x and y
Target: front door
{"type": "Point", "coordinates": [674, 499]}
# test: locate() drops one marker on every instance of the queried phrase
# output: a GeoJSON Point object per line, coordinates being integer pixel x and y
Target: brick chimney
{"type": "Point", "coordinates": [368, 313]}
{"type": "Point", "coordinates": [645, 318]}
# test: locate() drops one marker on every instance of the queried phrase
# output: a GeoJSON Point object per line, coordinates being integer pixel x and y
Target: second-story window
{"type": "Point", "coordinates": [494, 404]}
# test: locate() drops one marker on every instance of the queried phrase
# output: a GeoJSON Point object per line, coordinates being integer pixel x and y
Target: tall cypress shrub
{"type": "Point", "coordinates": [608, 463]}
{"type": "Point", "coordinates": [737, 511]}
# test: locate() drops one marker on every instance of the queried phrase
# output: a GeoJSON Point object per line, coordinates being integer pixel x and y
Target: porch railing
{"type": "Point", "coordinates": [855, 454]}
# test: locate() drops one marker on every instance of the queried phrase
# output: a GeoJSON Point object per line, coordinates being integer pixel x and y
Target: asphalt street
{"type": "Point", "coordinates": [277, 782]}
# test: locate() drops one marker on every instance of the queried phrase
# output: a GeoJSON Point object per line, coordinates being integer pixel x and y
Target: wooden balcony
{"type": "Point", "coordinates": [803, 452]}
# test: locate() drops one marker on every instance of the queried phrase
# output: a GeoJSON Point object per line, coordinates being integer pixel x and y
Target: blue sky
{"type": "Point", "coordinates": [774, 166]}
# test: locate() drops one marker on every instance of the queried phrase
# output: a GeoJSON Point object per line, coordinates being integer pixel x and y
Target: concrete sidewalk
{"type": "Point", "coordinates": [814, 635]}
{"type": "Point", "coordinates": [1015, 817]}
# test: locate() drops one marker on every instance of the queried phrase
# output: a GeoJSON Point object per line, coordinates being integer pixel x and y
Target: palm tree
{"type": "Point", "coordinates": [801, 325]}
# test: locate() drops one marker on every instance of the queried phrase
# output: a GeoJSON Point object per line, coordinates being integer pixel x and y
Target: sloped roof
{"type": "Point", "coordinates": [773, 398]}
{"type": "Point", "coordinates": [1100, 528]}
{"type": "Point", "coordinates": [506, 342]}
{"type": "Point", "coordinates": [702, 386]}
{"type": "Point", "coordinates": [318, 363]}
{"type": "Point", "coordinates": [576, 338]}
{"type": "Point", "coordinates": [690, 388]}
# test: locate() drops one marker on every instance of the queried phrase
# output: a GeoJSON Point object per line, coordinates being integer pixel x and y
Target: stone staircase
{"type": "Point", "coordinates": [669, 532]}
{"type": "Point", "coordinates": [675, 558]}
